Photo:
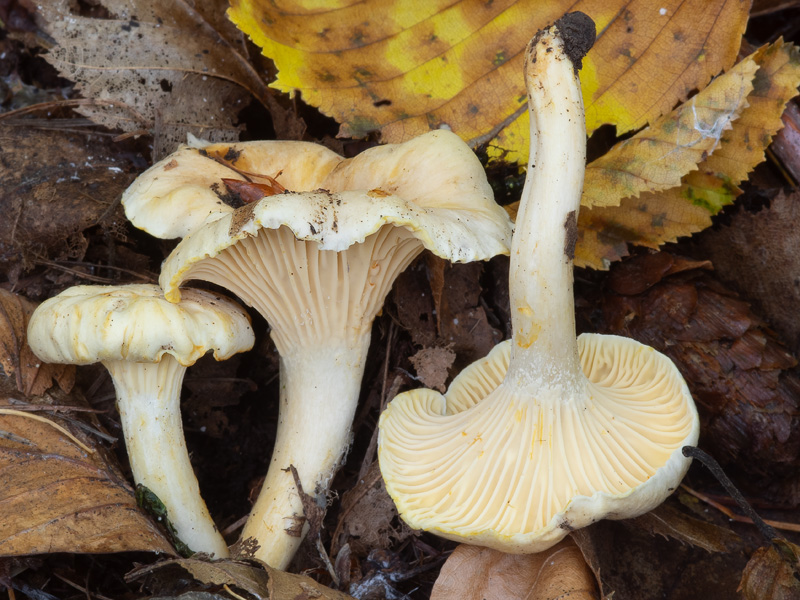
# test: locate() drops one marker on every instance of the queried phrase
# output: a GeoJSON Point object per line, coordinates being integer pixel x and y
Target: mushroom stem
{"type": "Point", "coordinates": [544, 349]}
{"type": "Point", "coordinates": [313, 436]}
{"type": "Point", "coordinates": [148, 399]}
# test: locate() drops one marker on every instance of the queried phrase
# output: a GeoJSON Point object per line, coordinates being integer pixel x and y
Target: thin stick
{"type": "Point", "coordinates": [57, 408]}
{"type": "Point", "coordinates": [77, 263]}
{"type": "Point", "coordinates": [739, 518]}
{"type": "Point", "coordinates": [234, 526]}
{"type": "Point", "coordinates": [52, 265]}
{"type": "Point", "coordinates": [85, 590]}
{"type": "Point", "coordinates": [231, 592]}
{"type": "Point", "coordinates": [19, 413]}
{"type": "Point", "coordinates": [712, 465]}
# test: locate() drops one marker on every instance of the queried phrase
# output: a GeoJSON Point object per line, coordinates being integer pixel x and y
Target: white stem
{"type": "Point", "coordinates": [313, 436]}
{"type": "Point", "coordinates": [544, 352]}
{"type": "Point", "coordinates": [148, 399]}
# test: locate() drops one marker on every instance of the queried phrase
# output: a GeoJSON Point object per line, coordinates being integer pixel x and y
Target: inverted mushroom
{"type": "Point", "coordinates": [544, 435]}
{"type": "Point", "coordinates": [146, 343]}
{"type": "Point", "coordinates": [318, 265]}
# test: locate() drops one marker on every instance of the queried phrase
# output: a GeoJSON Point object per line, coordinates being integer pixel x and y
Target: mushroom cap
{"type": "Point", "coordinates": [486, 465]}
{"type": "Point", "coordinates": [87, 324]}
{"type": "Point", "coordinates": [181, 192]}
{"type": "Point", "coordinates": [433, 186]}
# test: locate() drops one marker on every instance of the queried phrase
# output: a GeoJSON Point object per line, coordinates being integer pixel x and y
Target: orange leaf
{"type": "Point", "coordinates": [474, 573]}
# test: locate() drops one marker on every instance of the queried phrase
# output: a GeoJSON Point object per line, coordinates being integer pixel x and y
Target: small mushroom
{"type": "Point", "coordinates": [544, 435]}
{"type": "Point", "coordinates": [146, 343]}
{"type": "Point", "coordinates": [318, 266]}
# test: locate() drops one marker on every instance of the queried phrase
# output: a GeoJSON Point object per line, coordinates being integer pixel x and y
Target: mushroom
{"type": "Point", "coordinates": [544, 435]}
{"type": "Point", "coordinates": [146, 343]}
{"type": "Point", "coordinates": [318, 266]}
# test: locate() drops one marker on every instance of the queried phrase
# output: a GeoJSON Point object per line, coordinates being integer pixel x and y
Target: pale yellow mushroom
{"type": "Point", "coordinates": [146, 343]}
{"type": "Point", "coordinates": [545, 434]}
{"type": "Point", "coordinates": [318, 266]}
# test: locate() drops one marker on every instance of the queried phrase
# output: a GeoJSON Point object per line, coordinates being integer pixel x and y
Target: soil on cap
{"type": "Point", "coordinates": [578, 33]}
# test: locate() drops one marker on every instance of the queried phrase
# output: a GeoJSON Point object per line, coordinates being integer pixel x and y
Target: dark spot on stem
{"type": "Point", "coordinates": [571, 238]}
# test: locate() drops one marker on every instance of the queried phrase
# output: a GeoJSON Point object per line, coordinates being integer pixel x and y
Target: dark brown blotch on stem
{"type": "Point", "coordinates": [571, 237]}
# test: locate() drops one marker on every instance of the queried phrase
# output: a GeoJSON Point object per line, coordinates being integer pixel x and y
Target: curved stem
{"type": "Point", "coordinates": [544, 352]}
{"type": "Point", "coordinates": [148, 399]}
{"type": "Point", "coordinates": [313, 436]}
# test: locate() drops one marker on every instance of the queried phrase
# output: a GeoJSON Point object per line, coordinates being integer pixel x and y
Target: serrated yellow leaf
{"type": "Point", "coordinates": [653, 58]}
{"type": "Point", "coordinates": [658, 157]}
{"type": "Point", "coordinates": [405, 67]}
{"type": "Point", "coordinates": [656, 218]}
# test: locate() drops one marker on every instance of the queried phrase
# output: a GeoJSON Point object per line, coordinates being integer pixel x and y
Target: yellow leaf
{"type": "Point", "coordinates": [653, 54]}
{"type": "Point", "coordinates": [658, 157]}
{"type": "Point", "coordinates": [406, 67]}
{"type": "Point", "coordinates": [656, 218]}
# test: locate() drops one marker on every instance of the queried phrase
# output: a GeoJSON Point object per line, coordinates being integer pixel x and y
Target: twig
{"type": "Point", "coordinates": [53, 265]}
{"type": "Point", "coordinates": [70, 103]}
{"type": "Point", "coordinates": [364, 485]}
{"type": "Point", "coordinates": [373, 442]}
{"type": "Point", "coordinates": [231, 592]}
{"type": "Point", "coordinates": [81, 588]}
{"type": "Point", "coordinates": [19, 413]}
{"type": "Point", "coordinates": [712, 465]}
{"type": "Point", "coordinates": [739, 518]}
{"type": "Point", "coordinates": [52, 407]}
{"type": "Point", "coordinates": [144, 276]}
{"type": "Point", "coordinates": [234, 526]}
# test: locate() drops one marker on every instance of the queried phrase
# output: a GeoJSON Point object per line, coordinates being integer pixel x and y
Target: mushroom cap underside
{"type": "Point", "coordinates": [484, 465]}
{"type": "Point", "coordinates": [87, 324]}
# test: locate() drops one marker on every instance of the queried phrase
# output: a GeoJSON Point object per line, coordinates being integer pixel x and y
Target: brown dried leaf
{"type": "Point", "coordinates": [57, 497]}
{"type": "Point", "coordinates": [367, 515]}
{"type": "Point", "coordinates": [461, 319]}
{"type": "Point", "coordinates": [155, 65]}
{"type": "Point", "coordinates": [288, 586]}
{"type": "Point", "coordinates": [436, 269]}
{"type": "Point", "coordinates": [55, 185]}
{"type": "Point", "coordinates": [671, 523]}
{"type": "Point", "coordinates": [772, 573]}
{"type": "Point", "coordinates": [30, 375]}
{"type": "Point", "coordinates": [415, 306]}
{"type": "Point", "coordinates": [263, 582]}
{"type": "Point", "coordinates": [474, 573]}
{"type": "Point", "coordinates": [433, 365]}
{"type": "Point", "coordinates": [253, 580]}
{"type": "Point", "coordinates": [760, 253]}
{"type": "Point", "coordinates": [633, 564]}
